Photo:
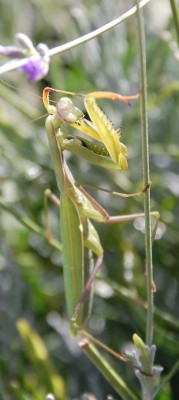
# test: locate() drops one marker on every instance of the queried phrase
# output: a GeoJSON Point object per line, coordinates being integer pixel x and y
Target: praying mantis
{"type": "Point", "coordinates": [80, 239]}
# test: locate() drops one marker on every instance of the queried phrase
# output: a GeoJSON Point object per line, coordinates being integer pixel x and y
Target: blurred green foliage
{"type": "Point", "coordinates": [31, 276]}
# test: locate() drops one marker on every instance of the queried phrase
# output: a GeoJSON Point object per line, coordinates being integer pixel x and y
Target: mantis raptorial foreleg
{"type": "Point", "coordinates": [99, 128]}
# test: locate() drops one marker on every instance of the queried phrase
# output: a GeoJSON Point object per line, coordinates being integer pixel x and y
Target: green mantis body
{"type": "Point", "coordinates": [77, 207]}
{"type": "Point", "coordinates": [79, 236]}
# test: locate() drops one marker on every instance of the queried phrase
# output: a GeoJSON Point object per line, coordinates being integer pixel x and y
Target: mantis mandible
{"type": "Point", "coordinates": [79, 237]}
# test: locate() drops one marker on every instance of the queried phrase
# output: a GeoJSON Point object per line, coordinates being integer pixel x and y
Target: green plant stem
{"type": "Point", "coordinates": [146, 178]}
{"type": "Point", "coordinates": [107, 371]}
{"type": "Point", "coordinates": [175, 17]}
{"type": "Point", "coordinates": [167, 378]}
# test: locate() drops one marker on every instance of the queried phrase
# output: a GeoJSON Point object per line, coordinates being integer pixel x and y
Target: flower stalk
{"type": "Point", "coordinates": [17, 63]}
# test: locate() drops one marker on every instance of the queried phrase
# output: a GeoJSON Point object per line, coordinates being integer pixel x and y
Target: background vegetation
{"type": "Point", "coordinates": [37, 355]}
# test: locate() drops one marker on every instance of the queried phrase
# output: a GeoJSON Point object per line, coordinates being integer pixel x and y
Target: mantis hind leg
{"type": "Point", "coordinates": [87, 288]}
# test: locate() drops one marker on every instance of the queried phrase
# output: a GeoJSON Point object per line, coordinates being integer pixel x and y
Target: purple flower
{"type": "Point", "coordinates": [35, 69]}
{"type": "Point", "coordinates": [36, 60]}
{"type": "Point", "coordinates": [11, 51]}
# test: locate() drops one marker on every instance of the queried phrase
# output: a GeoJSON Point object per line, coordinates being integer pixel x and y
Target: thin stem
{"type": "Point", "coordinates": [167, 378]}
{"type": "Point", "coordinates": [146, 178]}
{"type": "Point", "coordinates": [15, 64]}
{"type": "Point", "coordinates": [175, 17]}
{"type": "Point", "coordinates": [107, 371]}
{"type": "Point", "coordinates": [98, 31]}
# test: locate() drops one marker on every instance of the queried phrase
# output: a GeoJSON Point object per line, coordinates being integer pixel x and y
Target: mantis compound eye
{"type": "Point", "coordinates": [67, 112]}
